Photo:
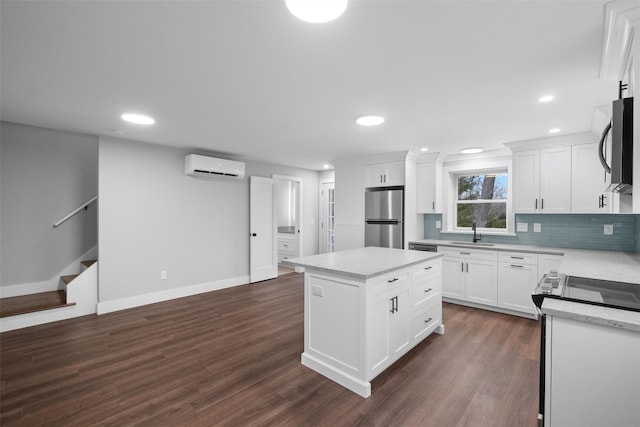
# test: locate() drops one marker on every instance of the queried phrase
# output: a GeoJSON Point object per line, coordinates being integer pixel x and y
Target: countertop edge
{"type": "Point", "coordinates": [314, 268]}
{"type": "Point", "coordinates": [497, 247]}
{"type": "Point", "coordinates": [605, 316]}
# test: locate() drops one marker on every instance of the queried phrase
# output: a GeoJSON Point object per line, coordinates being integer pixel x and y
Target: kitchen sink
{"type": "Point", "coordinates": [472, 244]}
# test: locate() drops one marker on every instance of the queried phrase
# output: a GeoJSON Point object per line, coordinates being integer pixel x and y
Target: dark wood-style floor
{"type": "Point", "coordinates": [232, 357]}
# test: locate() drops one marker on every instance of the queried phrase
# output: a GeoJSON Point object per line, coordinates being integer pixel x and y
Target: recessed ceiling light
{"type": "Point", "coordinates": [317, 11]}
{"type": "Point", "coordinates": [424, 149]}
{"type": "Point", "coordinates": [554, 130]}
{"type": "Point", "coordinates": [326, 166]}
{"type": "Point", "coordinates": [370, 120]}
{"type": "Point", "coordinates": [546, 98]}
{"type": "Point", "coordinates": [472, 150]}
{"type": "Point", "coordinates": [138, 119]}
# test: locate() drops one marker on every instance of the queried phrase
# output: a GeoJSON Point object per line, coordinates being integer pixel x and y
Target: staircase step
{"type": "Point", "coordinates": [88, 263]}
{"type": "Point", "coordinates": [69, 278]}
{"type": "Point", "coordinates": [31, 303]}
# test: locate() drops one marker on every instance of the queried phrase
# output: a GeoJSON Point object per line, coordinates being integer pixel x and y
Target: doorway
{"type": "Point", "coordinates": [327, 217]}
{"type": "Point", "coordinates": [288, 219]}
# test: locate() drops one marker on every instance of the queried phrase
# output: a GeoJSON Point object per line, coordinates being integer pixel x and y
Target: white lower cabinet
{"type": "Point", "coordinates": [517, 278]}
{"type": "Point", "coordinates": [470, 275]}
{"type": "Point", "coordinates": [388, 335]}
{"type": "Point", "coordinates": [490, 278]}
{"type": "Point", "coordinates": [355, 329]}
{"type": "Point", "coordinates": [592, 374]}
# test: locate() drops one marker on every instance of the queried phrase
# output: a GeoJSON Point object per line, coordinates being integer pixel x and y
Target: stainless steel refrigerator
{"type": "Point", "coordinates": [384, 217]}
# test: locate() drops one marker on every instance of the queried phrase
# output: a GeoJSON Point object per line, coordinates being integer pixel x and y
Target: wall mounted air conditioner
{"type": "Point", "coordinates": [197, 165]}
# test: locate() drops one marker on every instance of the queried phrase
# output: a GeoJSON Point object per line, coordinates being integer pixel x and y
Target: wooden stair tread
{"type": "Point", "coordinates": [88, 263]}
{"type": "Point", "coordinates": [69, 278]}
{"type": "Point", "coordinates": [31, 303]}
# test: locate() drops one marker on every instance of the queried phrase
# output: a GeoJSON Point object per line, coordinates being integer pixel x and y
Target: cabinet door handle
{"type": "Point", "coordinates": [462, 266]}
{"type": "Point", "coordinates": [542, 204]}
{"type": "Point", "coordinates": [428, 290]}
{"type": "Point", "coordinates": [518, 266]}
{"type": "Point", "coordinates": [395, 279]}
{"type": "Point", "coordinates": [286, 246]}
{"type": "Point", "coordinates": [434, 205]}
{"type": "Point", "coordinates": [428, 320]}
{"type": "Point", "coordinates": [536, 203]}
{"type": "Point", "coordinates": [465, 253]}
{"type": "Point", "coordinates": [599, 201]}
{"type": "Point", "coordinates": [604, 205]}
{"type": "Point", "coordinates": [517, 257]}
{"type": "Point", "coordinates": [393, 306]}
{"type": "Point", "coordinates": [467, 267]}
{"type": "Point", "coordinates": [428, 268]}
{"type": "Point", "coordinates": [397, 308]}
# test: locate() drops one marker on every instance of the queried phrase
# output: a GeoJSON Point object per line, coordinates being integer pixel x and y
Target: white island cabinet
{"type": "Point", "coordinates": [365, 308]}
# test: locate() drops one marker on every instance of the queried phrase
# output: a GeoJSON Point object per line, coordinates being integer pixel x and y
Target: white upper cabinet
{"type": "Point", "coordinates": [428, 188]}
{"type": "Point", "coordinates": [589, 181]}
{"type": "Point", "coordinates": [385, 174]}
{"type": "Point", "coordinates": [526, 181]}
{"type": "Point", "coordinates": [542, 180]}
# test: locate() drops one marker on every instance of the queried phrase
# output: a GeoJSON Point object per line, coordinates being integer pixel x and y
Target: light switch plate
{"type": "Point", "coordinates": [438, 225]}
{"type": "Point", "coordinates": [537, 227]}
{"type": "Point", "coordinates": [523, 227]}
{"type": "Point", "coordinates": [608, 229]}
{"type": "Point", "coordinates": [163, 275]}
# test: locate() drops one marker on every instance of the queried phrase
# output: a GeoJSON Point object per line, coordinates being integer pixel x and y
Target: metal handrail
{"type": "Point", "coordinates": [75, 211]}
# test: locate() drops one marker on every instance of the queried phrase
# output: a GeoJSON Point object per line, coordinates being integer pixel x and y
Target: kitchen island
{"type": "Point", "coordinates": [365, 308]}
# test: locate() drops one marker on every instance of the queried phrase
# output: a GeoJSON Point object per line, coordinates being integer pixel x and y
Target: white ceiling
{"type": "Point", "coordinates": [247, 80]}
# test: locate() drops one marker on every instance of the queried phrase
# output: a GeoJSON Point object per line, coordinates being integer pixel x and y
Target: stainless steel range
{"type": "Point", "coordinates": [624, 296]}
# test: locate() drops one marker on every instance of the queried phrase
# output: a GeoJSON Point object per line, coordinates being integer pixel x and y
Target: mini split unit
{"type": "Point", "coordinates": [197, 165]}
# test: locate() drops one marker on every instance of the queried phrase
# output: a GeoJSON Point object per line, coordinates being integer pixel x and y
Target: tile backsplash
{"type": "Point", "coordinates": [577, 231]}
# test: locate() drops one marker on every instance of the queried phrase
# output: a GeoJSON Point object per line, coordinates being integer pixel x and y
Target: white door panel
{"type": "Point", "coordinates": [263, 257]}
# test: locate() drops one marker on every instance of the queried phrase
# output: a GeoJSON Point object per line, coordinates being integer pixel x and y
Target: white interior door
{"type": "Point", "coordinates": [263, 245]}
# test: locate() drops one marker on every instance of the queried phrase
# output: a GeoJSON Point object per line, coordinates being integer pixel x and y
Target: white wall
{"type": "Point", "coordinates": [45, 174]}
{"type": "Point", "coordinates": [152, 217]}
{"type": "Point", "coordinates": [349, 204]}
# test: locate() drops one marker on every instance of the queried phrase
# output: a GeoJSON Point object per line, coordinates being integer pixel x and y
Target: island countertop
{"type": "Point", "coordinates": [362, 263]}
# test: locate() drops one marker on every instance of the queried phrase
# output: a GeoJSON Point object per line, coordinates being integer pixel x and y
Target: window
{"type": "Point", "coordinates": [481, 197]}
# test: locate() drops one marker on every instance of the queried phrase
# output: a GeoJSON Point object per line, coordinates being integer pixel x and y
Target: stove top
{"type": "Point", "coordinates": [625, 296]}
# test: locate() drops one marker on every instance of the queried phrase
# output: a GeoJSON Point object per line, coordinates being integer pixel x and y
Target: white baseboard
{"type": "Point", "coordinates": [140, 300]}
{"type": "Point", "coordinates": [52, 284]}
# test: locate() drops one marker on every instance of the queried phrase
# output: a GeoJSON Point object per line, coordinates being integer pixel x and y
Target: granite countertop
{"type": "Point", "coordinates": [495, 247]}
{"type": "Point", "coordinates": [602, 265]}
{"type": "Point", "coordinates": [362, 263]}
{"type": "Point", "coordinates": [623, 319]}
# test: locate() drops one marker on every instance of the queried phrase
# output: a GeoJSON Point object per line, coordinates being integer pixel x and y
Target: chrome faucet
{"type": "Point", "coordinates": [475, 236]}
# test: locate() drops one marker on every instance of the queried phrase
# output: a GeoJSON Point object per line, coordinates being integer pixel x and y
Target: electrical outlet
{"type": "Point", "coordinates": [523, 227]}
{"type": "Point", "coordinates": [608, 229]}
{"type": "Point", "coordinates": [163, 275]}
{"type": "Point", "coordinates": [438, 225]}
{"type": "Point", "coordinates": [537, 227]}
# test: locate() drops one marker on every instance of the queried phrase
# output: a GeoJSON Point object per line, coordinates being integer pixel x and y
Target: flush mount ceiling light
{"type": "Point", "coordinates": [546, 98]}
{"type": "Point", "coordinates": [554, 130]}
{"type": "Point", "coordinates": [424, 149]}
{"type": "Point", "coordinates": [370, 120]}
{"type": "Point", "coordinates": [471, 150]}
{"type": "Point", "coordinates": [138, 119]}
{"type": "Point", "coordinates": [326, 166]}
{"type": "Point", "coordinates": [316, 11]}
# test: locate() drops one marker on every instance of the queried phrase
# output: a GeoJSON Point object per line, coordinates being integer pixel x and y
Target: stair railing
{"type": "Point", "coordinates": [75, 211]}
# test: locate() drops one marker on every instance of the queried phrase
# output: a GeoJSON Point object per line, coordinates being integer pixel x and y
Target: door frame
{"type": "Point", "coordinates": [299, 222]}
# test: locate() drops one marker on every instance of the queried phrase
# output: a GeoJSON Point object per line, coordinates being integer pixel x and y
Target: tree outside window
{"type": "Point", "coordinates": [482, 198]}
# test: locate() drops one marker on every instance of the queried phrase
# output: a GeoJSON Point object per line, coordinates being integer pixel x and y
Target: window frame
{"type": "Point", "coordinates": [480, 166]}
{"type": "Point", "coordinates": [458, 202]}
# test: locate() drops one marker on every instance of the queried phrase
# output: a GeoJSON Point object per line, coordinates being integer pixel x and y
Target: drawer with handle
{"type": "Point", "coordinates": [426, 321]}
{"type": "Point", "coordinates": [518, 258]}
